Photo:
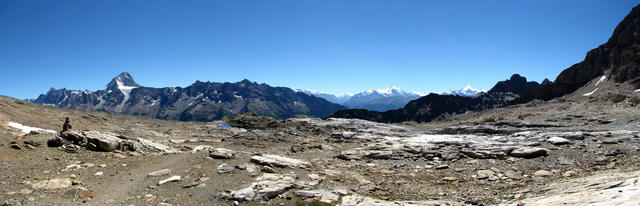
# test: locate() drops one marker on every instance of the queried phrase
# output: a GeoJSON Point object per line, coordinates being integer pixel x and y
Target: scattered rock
{"type": "Point", "coordinates": [225, 169]}
{"type": "Point", "coordinates": [529, 152]}
{"type": "Point", "coordinates": [80, 193]}
{"type": "Point", "coordinates": [450, 179]}
{"type": "Point", "coordinates": [266, 187]}
{"type": "Point", "coordinates": [610, 141]}
{"type": "Point", "coordinates": [460, 169]}
{"type": "Point", "coordinates": [558, 141]}
{"type": "Point", "coordinates": [170, 179]}
{"type": "Point", "coordinates": [324, 196]}
{"type": "Point", "coordinates": [542, 173]}
{"type": "Point", "coordinates": [57, 183]}
{"type": "Point", "coordinates": [161, 172]}
{"type": "Point", "coordinates": [56, 141]}
{"type": "Point", "coordinates": [279, 161]}
{"type": "Point", "coordinates": [221, 153]}
{"type": "Point", "coordinates": [569, 173]}
{"type": "Point", "coordinates": [202, 148]}
{"type": "Point", "coordinates": [267, 169]}
{"type": "Point", "coordinates": [441, 167]}
{"type": "Point", "coordinates": [484, 174]}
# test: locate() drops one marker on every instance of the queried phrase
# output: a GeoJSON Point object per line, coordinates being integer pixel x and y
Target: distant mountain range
{"type": "Point", "coordinates": [433, 106]}
{"type": "Point", "coordinates": [384, 99]}
{"type": "Point", "coordinates": [466, 91]}
{"type": "Point", "coordinates": [201, 101]}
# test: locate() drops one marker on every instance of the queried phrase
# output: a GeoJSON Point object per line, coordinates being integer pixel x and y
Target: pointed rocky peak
{"type": "Point", "coordinates": [545, 82]}
{"type": "Point", "coordinates": [124, 81]}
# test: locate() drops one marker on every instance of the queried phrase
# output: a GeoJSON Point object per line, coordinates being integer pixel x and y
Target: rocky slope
{"type": "Point", "coordinates": [433, 106]}
{"type": "Point", "coordinates": [201, 101]}
{"type": "Point", "coordinates": [530, 153]}
{"type": "Point", "coordinates": [618, 60]}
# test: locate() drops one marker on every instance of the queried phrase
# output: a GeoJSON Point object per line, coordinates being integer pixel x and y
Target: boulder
{"type": "Point", "coordinates": [266, 187]}
{"type": "Point", "coordinates": [529, 152]}
{"type": "Point", "coordinates": [225, 169]}
{"type": "Point", "coordinates": [484, 174]}
{"type": "Point", "coordinates": [558, 141]}
{"type": "Point", "coordinates": [542, 173]}
{"type": "Point", "coordinates": [378, 154]}
{"type": "Point", "coordinates": [56, 141]}
{"type": "Point", "coordinates": [99, 141]}
{"type": "Point", "coordinates": [221, 153]}
{"type": "Point", "coordinates": [74, 137]}
{"type": "Point", "coordinates": [324, 196]}
{"type": "Point", "coordinates": [350, 155]}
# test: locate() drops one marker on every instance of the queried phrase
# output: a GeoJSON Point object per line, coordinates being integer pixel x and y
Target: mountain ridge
{"type": "Point", "coordinates": [200, 101]}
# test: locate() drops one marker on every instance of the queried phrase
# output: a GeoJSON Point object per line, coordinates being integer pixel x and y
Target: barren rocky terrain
{"type": "Point", "coordinates": [576, 151]}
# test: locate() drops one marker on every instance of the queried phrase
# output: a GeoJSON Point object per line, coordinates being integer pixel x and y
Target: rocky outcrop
{"type": "Point", "coordinates": [201, 101]}
{"type": "Point", "coordinates": [620, 56]}
{"type": "Point", "coordinates": [266, 187]}
{"type": "Point", "coordinates": [107, 142]}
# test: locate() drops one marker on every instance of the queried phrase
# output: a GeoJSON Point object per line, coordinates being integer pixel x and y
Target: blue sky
{"type": "Point", "coordinates": [335, 46]}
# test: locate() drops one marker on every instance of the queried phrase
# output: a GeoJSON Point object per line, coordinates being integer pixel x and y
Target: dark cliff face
{"type": "Point", "coordinates": [432, 106]}
{"type": "Point", "coordinates": [201, 101]}
{"type": "Point", "coordinates": [516, 84]}
{"type": "Point", "coordinates": [620, 55]}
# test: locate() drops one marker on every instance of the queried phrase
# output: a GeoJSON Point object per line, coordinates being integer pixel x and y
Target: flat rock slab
{"type": "Point", "coordinates": [266, 187]}
{"type": "Point", "coordinates": [359, 200]}
{"type": "Point", "coordinates": [325, 196]}
{"type": "Point", "coordinates": [170, 179]}
{"type": "Point", "coordinates": [609, 188]}
{"type": "Point", "coordinates": [101, 141]}
{"type": "Point", "coordinates": [529, 152]}
{"type": "Point", "coordinates": [158, 173]}
{"type": "Point", "coordinates": [221, 153]}
{"type": "Point", "coordinates": [52, 184]}
{"type": "Point", "coordinates": [558, 141]}
{"type": "Point", "coordinates": [279, 161]}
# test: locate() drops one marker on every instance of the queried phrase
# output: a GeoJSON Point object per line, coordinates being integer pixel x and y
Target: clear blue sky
{"type": "Point", "coordinates": [335, 46]}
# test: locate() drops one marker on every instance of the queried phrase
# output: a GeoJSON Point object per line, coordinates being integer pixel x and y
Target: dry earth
{"type": "Point", "coordinates": [541, 153]}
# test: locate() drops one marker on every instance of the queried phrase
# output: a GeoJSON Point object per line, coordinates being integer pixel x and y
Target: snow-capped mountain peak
{"type": "Point", "coordinates": [466, 91]}
{"type": "Point", "coordinates": [123, 82]}
{"type": "Point", "coordinates": [389, 91]}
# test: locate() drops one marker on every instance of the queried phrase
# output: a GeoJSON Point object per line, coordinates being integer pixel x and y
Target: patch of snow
{"type": "Point", "coordinates": [601, 80]}
{"type": "Point", "coordinates": [126, 91]}
{"type": "Point", "coordinates": [466, 91]}
{"type": "Point", "coordinates": [637, 90]}
{"type": "Point", "coordinates": [28, 129]}
{"type": "Point", "coordinates": [590, 93]}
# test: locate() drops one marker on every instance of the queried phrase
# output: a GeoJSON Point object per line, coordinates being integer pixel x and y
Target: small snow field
{"type": "Point", "coordinates": [28, 129]}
